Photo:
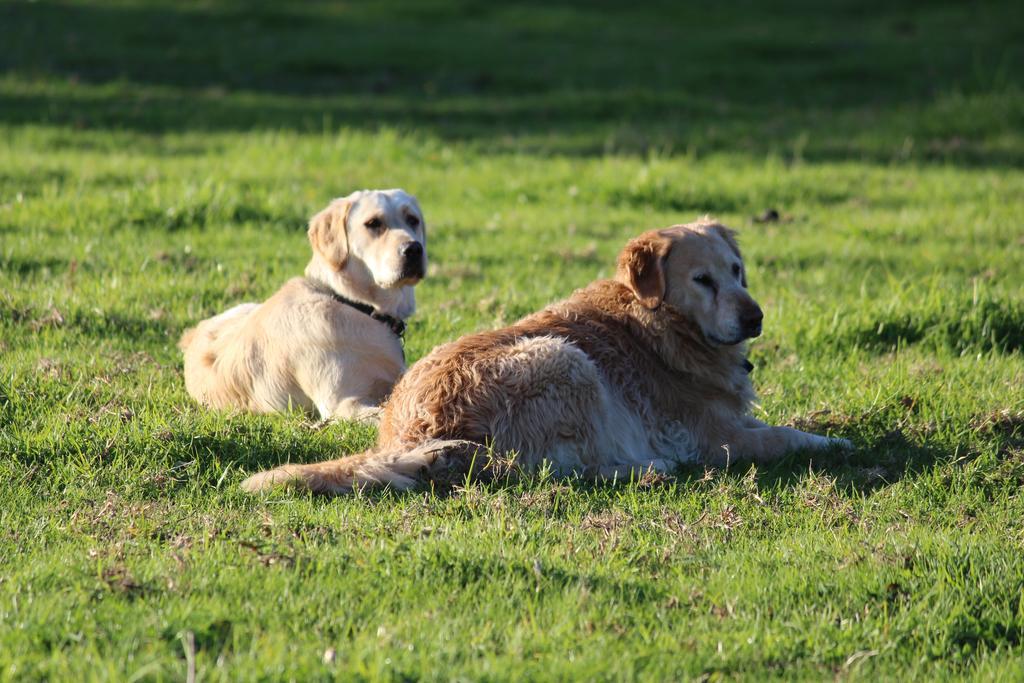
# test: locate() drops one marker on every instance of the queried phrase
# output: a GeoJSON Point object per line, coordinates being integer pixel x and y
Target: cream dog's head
{"type": "Point", "coordinates": [698, 271]}
{"type": "Point", "coordinates": [374, 236]}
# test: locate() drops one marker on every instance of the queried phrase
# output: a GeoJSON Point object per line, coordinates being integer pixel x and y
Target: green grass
{"type": "Point", "coordinates": [158, 161]}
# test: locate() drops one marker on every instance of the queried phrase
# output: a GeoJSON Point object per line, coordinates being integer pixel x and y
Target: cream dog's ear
{"type": "Point", "coordinates": [642, 268]}
{"type": "Point", "coordinates": [328, 232]}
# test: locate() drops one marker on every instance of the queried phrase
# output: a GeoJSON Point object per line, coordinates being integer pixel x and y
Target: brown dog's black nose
{"type": "Point", "coordinates": [751, 321]}
{"type": "Point", "coordinates": [411, 250]}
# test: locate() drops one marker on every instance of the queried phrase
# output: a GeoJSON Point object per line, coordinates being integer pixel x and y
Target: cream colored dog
{"type": "Point", "coordinates": [642, 372]}
{"type": "Point", "coordinates": [329, 341]}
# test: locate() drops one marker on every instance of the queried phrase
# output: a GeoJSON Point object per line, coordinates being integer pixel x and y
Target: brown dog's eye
{"type": "Point", "coordinates": [374, 223]}
{"type": "Point", "coordinates": [412, 221]}
{"type": "Point", "coordinates": [705, 281]}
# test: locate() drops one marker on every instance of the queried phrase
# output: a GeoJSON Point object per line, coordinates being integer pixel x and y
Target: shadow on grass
{"type": "Point", "coordinates": [862, 471]}
{"type": "Point", "coordinates": [868, 468]}
{"type": "Point", "coordinates": [851, 80]}
{"type": "Point", "coordinates": [25, 266]}
{"type": "Point", "coordinates": [982, 326]}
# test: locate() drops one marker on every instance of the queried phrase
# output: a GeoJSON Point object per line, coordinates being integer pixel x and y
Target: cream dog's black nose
{"type": "Point", "coordinates": [411, 250]}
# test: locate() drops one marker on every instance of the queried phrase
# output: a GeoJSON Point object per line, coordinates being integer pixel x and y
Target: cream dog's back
{"type": "Point", "coordinates": [289, 352]}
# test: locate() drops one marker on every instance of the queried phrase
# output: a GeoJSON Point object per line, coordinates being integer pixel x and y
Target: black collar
{"type": "Point", "coordinates": [394, 324]}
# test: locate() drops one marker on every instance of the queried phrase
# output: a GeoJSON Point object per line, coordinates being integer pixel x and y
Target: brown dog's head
{"type": "Point", "coordinates": [376, 235]}
{"type": "Point", "coordinates": [698, 271]}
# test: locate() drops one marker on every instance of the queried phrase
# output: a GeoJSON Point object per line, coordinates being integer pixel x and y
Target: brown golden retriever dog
{"type": "Point", "coordinates": [642, 372]}
{"type": "Point", "coordinates": [330, 341]}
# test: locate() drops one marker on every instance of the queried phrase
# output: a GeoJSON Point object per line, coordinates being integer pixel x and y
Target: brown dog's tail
{"type": "Point", "coordinates": [398, 468]}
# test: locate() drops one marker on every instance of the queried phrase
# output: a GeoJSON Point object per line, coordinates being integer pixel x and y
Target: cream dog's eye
{"type": "Point", "coordinates": [412, 221]}
{"type": "Point", "coordinates": [374, 223]}
{"type": "Point", "coordinates": [705, 280]}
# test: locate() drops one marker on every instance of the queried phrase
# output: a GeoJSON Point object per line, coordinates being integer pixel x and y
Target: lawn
{"type": "Point", "coordinates": [158, 161]}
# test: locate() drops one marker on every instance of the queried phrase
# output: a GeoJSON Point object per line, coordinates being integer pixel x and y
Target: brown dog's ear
{"type": "Point", "coordinates": [328, 232]}
{"type": "Point", "coordinates": [642, 268]}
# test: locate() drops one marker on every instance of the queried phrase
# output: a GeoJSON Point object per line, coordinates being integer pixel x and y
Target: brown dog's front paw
{"type": "Point", "coordinates": [839, 442]}
{"type": "Point", "coordinates": [829, 442]}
